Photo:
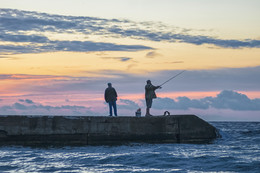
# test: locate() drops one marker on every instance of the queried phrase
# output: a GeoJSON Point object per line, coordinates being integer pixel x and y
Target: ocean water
{"type": "Point", "coordinates": [237, 151]}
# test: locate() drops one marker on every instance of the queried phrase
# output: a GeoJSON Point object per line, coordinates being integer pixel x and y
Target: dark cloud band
{"type": "Point", "coordinates": [240, 79]}
{"type": "Point", "coordinates": [16, 25]}
{"type": "Point", "coordinates": [73, 46]}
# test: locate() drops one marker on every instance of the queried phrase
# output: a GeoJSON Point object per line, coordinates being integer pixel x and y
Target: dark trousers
{"type": "Point", "coordinates": [149, 103]}
{"type": "Point", "coordinates": [112, 104]}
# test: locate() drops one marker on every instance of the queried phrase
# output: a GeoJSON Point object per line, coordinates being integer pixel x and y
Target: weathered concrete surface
{"type": "Point", "coordinates": [89, 130]}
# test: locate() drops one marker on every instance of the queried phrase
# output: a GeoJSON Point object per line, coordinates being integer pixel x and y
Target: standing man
{"type": "Point", "coordinates": [149, 96]}
{"type": "Point", "coordinates": [111, 98]}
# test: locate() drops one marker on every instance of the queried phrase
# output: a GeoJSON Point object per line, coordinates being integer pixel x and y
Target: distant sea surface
{"type": "Point", "coordinates": [237, 151]}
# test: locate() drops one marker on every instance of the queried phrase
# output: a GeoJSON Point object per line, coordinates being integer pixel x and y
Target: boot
{"type": "Point", "coordinates": [148, 112]}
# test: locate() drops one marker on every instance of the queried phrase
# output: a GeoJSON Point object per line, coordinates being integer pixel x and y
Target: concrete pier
{"type": "Point", "coordinates": [91, 130]}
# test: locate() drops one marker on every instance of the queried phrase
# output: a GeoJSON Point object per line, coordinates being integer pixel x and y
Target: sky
{"type": "Point", "coordinates": [57, 56]}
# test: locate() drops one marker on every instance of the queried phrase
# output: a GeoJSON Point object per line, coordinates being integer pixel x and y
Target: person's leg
{"type": "Point", "coordinates": [151, 102]}
{"type": "Point", "coordinates": [147, 112]}
{"type": "Point", "coordinates": [110, 108]}
{"type": "Point", "coordinates": [148, 106]}
{"type": "Point", "coordinates": [115, 108]}
{"type": "Point", "coordinates": [147, 109]}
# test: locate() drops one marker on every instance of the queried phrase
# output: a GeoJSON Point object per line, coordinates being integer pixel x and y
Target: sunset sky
{"type": "Point", "coordinates": [57, 56]}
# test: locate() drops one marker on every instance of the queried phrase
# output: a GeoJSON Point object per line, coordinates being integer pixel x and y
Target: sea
{"type": "Point", "coordinates": [238, 150]}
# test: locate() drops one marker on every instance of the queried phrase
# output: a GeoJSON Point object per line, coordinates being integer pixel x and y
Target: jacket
{"type": "Point", "coordinates": [150, 91]}
{"type": "Point", "coordinates": [110, 94]}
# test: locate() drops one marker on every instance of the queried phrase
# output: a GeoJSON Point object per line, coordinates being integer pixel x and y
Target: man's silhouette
{"type": "Point", "coordinates": [111, 98]}
{"type": "Point", "coordinates": [149, 96]}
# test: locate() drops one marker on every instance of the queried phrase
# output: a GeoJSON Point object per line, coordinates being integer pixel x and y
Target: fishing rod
{"type": "Point", "coordinates": [172, 78]}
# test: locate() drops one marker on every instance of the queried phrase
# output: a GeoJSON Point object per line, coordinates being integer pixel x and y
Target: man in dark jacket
{"type": "Point", "coordinates": [149, 96]}
{"type": "Point", "coordinates": [111, 98]}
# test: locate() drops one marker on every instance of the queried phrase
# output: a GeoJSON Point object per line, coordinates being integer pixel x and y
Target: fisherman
{"type": "Point", "coordinates": [149, 96]}
{"type": "Point", "coordinates": [111, 98]}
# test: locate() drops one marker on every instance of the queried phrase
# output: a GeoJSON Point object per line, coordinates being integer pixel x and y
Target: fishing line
{"type": "Point", "coordinates": [172, 78]}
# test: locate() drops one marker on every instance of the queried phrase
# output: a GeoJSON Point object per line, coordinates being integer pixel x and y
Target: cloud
{"type": "Point", "coordinates": [23, 38]}
{"type": "Point", "coordinates": [227, 105]}
{"type": "Point", "coordinates": [26, 101]}
{"type": "Point", "coordinates": [224, 100]}
{"type": "Point", "coordinates": [127, 104]}
{"type": "Point", "coordinates": [45, 107]}
{"type": "Point", "coordinates": [31, 108]}
{"type": "Point", "coordinates": [122, 59]}
{"type": "Point", "coordinates": [239, 79]}
{"type": "Point", "coordinates": [176, 62]}
{"type": "Point", "coordinates": [182, 103]}
{"type": "Point", "coordinates": [18, 26]}
{"type": "Point", "coordinates": [210, 80]}
{"type": "Point", "coordinates": [199, 40]}
{"type": "Point", "coordinates": [4, 56]}
{"type": "Point", "coordinates": [152, 54]}
{"type": "Point", "coordinates": [30, 77]}
{"type": "Point", "coordinates": [234, 100]}
{"type": "Point", "coordinates": [20, 106]}
{"type": "Point", "coordinates": [73, 46]}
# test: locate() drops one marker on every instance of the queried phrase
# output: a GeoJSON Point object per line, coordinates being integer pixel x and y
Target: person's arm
{"type": "Point", "coordinates": [156, 87]}
{"type": "Point", "coordinates": [105, 96]}
{"type": "Point", "coordinates": [115, 93]}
